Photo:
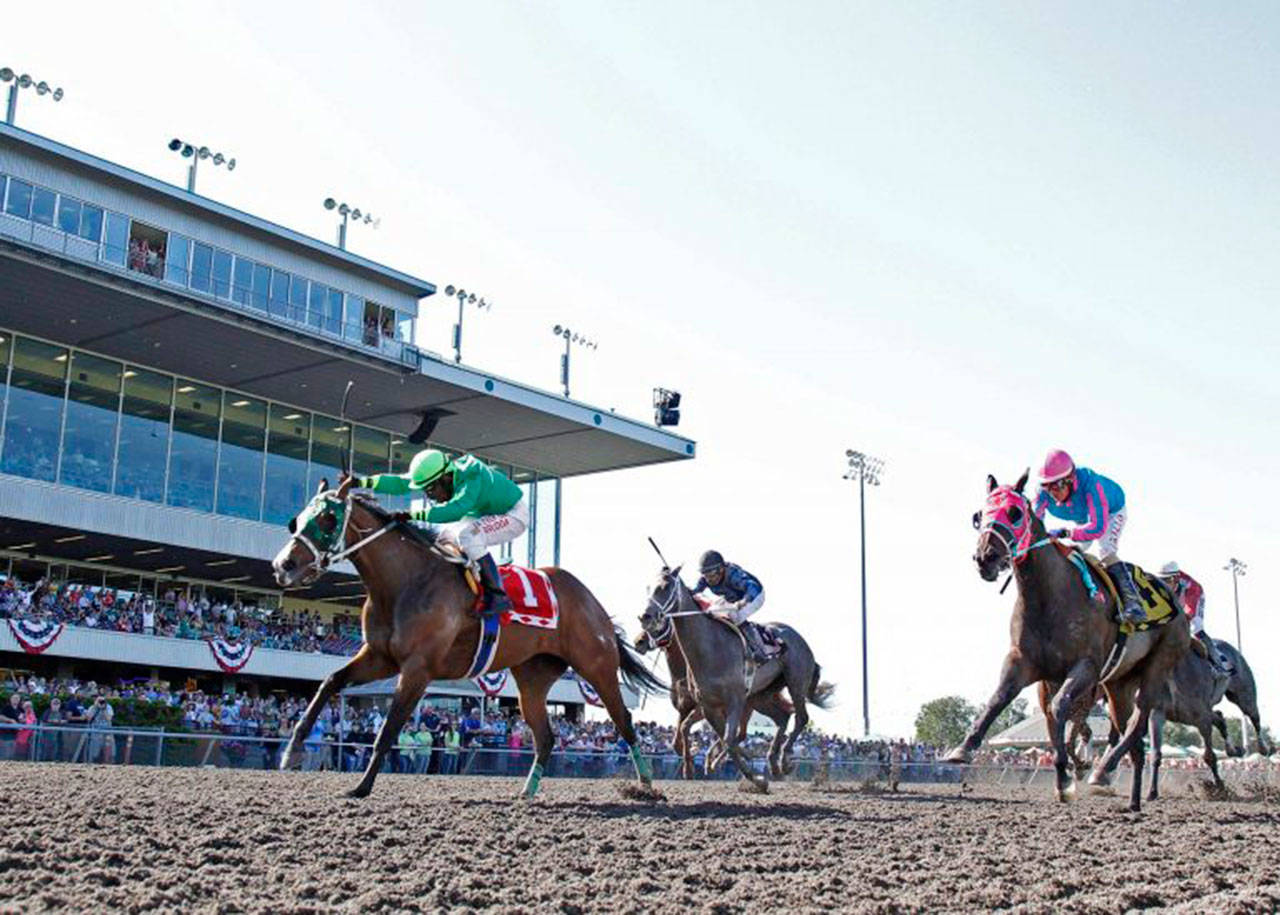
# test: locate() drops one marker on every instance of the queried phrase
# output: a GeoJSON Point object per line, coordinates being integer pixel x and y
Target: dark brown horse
{"type": "Point", "coordinates": [419, 621]}
{"type": "Point", "coordinates": [1061, 634]}
{"type": "Point", "coordinates": [685, 700]}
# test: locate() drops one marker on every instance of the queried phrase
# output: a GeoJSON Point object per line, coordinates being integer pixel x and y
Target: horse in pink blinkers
{"type": "Point", "coordinates": [1062, 638]}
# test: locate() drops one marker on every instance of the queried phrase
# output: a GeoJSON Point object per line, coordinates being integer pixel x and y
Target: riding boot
{"type": "Point", "coordinates": [1211, 652]}
{"type": "Point", "coordinates": [495, 597]}
{"type": "Point", "coordinates": [1130, 607]}
{"type": "Point", "coordinates": [754, 642]}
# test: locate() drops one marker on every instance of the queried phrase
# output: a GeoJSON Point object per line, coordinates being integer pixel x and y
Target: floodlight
{"type": "Point", "coordinates": [42, 88]}
{"type": "Point", "coordinates": [175, 144]}
{"type": "Point", "coordinates": [449, 291]}
{"type": "Point", "coordinates": [330, 203]}
{"type": "Point", "coordinates": [6, 74]}
{"type": "Point", "coordinates": [25, 81]}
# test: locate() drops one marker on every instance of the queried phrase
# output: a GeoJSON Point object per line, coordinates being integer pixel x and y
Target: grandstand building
{"type": "Point", "coordinates": [171, 371]}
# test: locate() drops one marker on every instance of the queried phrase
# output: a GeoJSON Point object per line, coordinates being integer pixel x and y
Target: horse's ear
{"type": "Point", "coordinates": [1022, 480]}
{"type": "Point", "coordinates": [293, 525]}
{"type": "Point", "coordinates": [345, 482]}
{"type": "Point", "coordinates": [991, 483]}
{"type": "Point", "coordinates": [675, 573]}
{"type": "Point", "coordinates": [322, 486]}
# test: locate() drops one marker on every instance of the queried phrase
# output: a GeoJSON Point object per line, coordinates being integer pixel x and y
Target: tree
{"type": "Point", "coordinates": [944, 722]}
{"type": "Point", "coordinates": [1013, 713]}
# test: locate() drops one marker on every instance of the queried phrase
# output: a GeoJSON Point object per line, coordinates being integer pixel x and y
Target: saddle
{"type": "Point", "coordinates": [770, 636]}
{"type": "Point", "coordinates": [1157, 598]}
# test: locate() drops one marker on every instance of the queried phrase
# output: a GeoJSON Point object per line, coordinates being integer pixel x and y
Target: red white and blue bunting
{"type": "Point", "coordinates": [492, 683]}
{"type": "Point", "coordinates": [231, 656]}
{"type": "Point", "coordinates": [35, 636]}
{"type": "Point", "coordinates": [588, 691]}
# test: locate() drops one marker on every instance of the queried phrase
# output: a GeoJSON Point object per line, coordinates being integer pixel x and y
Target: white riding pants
{"type": "Point", "coordinates": [737, 615]}
{"type": "Point", "coordinates": [476, 535]}
{"type": "Point", "coordinates": [1109, 543]}
{"type": "Point", "coordinates": [1197, 619]}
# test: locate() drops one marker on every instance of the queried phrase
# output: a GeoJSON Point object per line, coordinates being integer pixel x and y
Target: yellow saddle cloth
{"type": "Point", "coordinates": [1157, 601]}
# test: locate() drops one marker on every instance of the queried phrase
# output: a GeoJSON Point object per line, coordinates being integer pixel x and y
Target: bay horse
{"type": "Point", "coordinates": [685, 701]}
{"type": "Point", "coordinates": [419, 620]}
{"type": "Point", "coordinates": [1061, 634]}
{"type": "Point", "coordinates": [724, 676]}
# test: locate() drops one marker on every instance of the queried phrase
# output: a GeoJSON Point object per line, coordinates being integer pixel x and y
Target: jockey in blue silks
{"type": "Point", "coordinates": [738, 595]}
{"type": "Point", "coordinates": [1096, 504]}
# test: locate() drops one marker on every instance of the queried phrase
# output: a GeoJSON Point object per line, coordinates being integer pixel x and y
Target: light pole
{"type": "Point", "coordinates": [464, 299]}
{"type": "Point", "coordinates": [865, 469]}
{"type": "Point", "coordinates": [570, 338]}
{"type": "Point", "coordinates": [348, 212]}
{"type": "Point", "coordinates": [195, 154]}
{"type": "Point", "coordinates": [1237, 569]}
{"type": "Point", "coordinates": [24, 81]}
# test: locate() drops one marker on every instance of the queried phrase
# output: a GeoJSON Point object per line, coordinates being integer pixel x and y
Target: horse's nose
{"type": "Point", "coordinates": [288, 565]}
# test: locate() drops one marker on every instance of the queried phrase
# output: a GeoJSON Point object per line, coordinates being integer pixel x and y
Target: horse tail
{"type": "Point", "coordinates": [634, 673]}
{"type": "Point", "coordinates": [820, 691]}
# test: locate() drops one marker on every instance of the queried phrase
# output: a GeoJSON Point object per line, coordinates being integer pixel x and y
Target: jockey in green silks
{"type": "Point", "coordinates": [477, 506]}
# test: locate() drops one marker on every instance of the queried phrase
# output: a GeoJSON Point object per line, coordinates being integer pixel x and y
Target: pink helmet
{"type": "Point", "coordinates": [1057, 466]}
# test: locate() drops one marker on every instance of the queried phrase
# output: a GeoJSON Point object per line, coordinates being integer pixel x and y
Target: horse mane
{"type": "Point", "coordinates": [423, 536]}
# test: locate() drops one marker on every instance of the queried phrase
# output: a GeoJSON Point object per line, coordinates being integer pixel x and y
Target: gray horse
{"type": "Point", "coordinates": [1192, 692]}
{"type": "Point", "coordinates": [683, 697]}
{"type": "Point", "coordinates": [724, 676]}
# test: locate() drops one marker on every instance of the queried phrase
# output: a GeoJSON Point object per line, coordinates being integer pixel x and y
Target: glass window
{"type": "Point", "coordinates": [544, 523]}
{"type": "Point", "coordinates": [317, 302]}
{"type": "Point", "coordinates": [179, 255]}
{"type": "Point", "coordinates": [201, 267]}
{"type": "Point", "coordinates": [242, 281]}
{"type": "Point", "coordinates": [19, 200]}
{"type": "Point", "coordinates": [333, 313]}
{"type": "Point", "coordinates": [261, 286]}
{"type": "Point", "coordinates": [298, 299]}
{"type": "Point", "coordinates": [89, 442]}
{"type": "Point", "coordinates": [193, 454]}
{"type": "Point", "coordinates": [401, 454]}
{"type": "Point", "coordinates": [6, 345]}
{"type": "Point", "coordinates": [353, 318]}
{"type": "Point", "coordinates": [240, 460]}
{"type": "Point", "coordinates": [330, 439]}
{"type": "Point", "coordinates": [33, 424]}
{"type": "Point", "coordinates": [69, 215]}
{"type": "Point", "coordinates": [91, 222]}
{"type": "Point", "coordinates": [287, 438]}
{"type": "Point", "coordinates": [221, 274]}
{"type": "Point", "coordinates": [43, 204]}
{"type": "Point", "coordinates": [144, 435]}
{"type": "Point", "coordinates": [116, 245]}
{"type": "Point", "coordinates": [280, 296]}
{"type": "Point", "coordinates": [404, 327]}
{"type": "Point", "coordinates": [371, 449]}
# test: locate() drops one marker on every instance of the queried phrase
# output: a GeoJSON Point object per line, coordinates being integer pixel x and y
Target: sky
{"type": "Point", "coordinates": [952, 236]}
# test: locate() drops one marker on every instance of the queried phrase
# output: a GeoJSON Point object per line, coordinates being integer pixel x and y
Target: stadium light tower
{"type": "Point", "coordinates": [865, 469]}
{"type": "Point", "coordinates": [195, 154]}
{"type": "Point", "coordinates": [24, 81]}
{"type": "Point", "coordinates": [349, 212]}
{"type": "Point", "coordinates": [464, 299]}
{"type": "Point", "coordinates": [1237, 570]}
{"type": "Point", "coordinates": [570, 339]}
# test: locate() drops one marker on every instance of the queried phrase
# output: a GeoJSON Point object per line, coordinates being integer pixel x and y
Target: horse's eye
{"type": "Point", "coordinates": [1015, 515]}
{"type": "Point", "coordinates": [326, 522]}
{"type": "Point", "coordinates": [977, 520]}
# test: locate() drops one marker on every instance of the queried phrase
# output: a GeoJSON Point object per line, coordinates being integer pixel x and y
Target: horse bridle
{"type": "Point", "coordinates": [321, 559]}
{"type": "Point", "coordinates": [1009, 538]}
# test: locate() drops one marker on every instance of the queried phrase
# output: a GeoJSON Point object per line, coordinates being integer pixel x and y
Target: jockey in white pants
{"type": "Point", "coordinates": [738, 595]}
{"type": "Point", "coordinates": [476, 506]}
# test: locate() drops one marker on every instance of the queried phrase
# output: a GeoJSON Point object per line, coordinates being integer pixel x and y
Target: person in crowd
{"type": "Point", "coordinates": [22, 743]}
{"type": "Point", "coordinates": [738, 594]}
{"type": "Point", "coordinates": [422, 740]}
{"type": "Point", "coordinates": [1096, 505]}
{"type": "Point", "coordinates": [452, 744]}
{"type": "Point", "coordinates": [101, 744]}
{"type": "Point", "coordinates": [52, 741]}
{"type": "Point", "coordinates": [10, 719]}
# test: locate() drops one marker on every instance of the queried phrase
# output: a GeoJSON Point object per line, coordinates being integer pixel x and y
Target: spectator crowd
{"type": "Point", "coordinates": [175, 614]}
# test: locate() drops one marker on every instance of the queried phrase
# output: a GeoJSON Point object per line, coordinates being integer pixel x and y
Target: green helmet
{"type": "Point", "coordinates": [427, 467]}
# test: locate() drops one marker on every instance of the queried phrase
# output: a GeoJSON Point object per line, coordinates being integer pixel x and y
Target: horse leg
{"type": "Point", "coordinates": [1015, 676]}
{"type": "Point", "coordinates": [781, 717]}
{"type": "Point", "coordinates": [367, 665]}
{"type": "Point", "coordinates": [1081, 679]}
{"type": "Point", "coordinates": [1220, 723]}
{"type": "Point", "coordinates": [534, 678]}
{"type": "Point", "coordinates": [1137, 756]}
{"type": "Point", "coordinates": [1155, 729]}
{"type": "Point", "coordinates": [606, 686]}
{"type": "Point", "coordinates": [1210, 757]}
{"type": "Point", "coordinates": [413, 681]}
{"type": "Point", "coordinates": [732, 737]}
{"type": "Point", "coordinates": [684, 734]}
{"type": "Point", "coordinates": [1120, 705]}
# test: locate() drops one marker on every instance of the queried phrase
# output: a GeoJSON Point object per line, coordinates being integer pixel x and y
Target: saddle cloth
{"type": "Point", "coordinates": [1157, 600]}
{"type": "Point", "coordinates": [532, 597]}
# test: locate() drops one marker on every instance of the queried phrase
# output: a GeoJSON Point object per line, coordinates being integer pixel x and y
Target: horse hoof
{"type": "Point", "coordinates": [291, 762]}
{"type": "Point", "coordinates": [959, 756]}
{"type": "Point", "coordinates": [358, 792]}
{"type": "Point", "coordinates": [1135, 807]}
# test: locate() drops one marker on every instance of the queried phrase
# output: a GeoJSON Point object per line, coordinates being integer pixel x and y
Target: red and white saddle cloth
{"type": "Point", "coordinates": [533, 598]}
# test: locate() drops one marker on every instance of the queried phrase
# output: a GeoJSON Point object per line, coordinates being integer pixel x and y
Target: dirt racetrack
{"type": "Point", "coordinates": [114, 839]}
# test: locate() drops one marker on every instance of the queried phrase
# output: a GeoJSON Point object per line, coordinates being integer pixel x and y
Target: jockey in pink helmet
{"type": "Point", "coordinates": [1096, 505]}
